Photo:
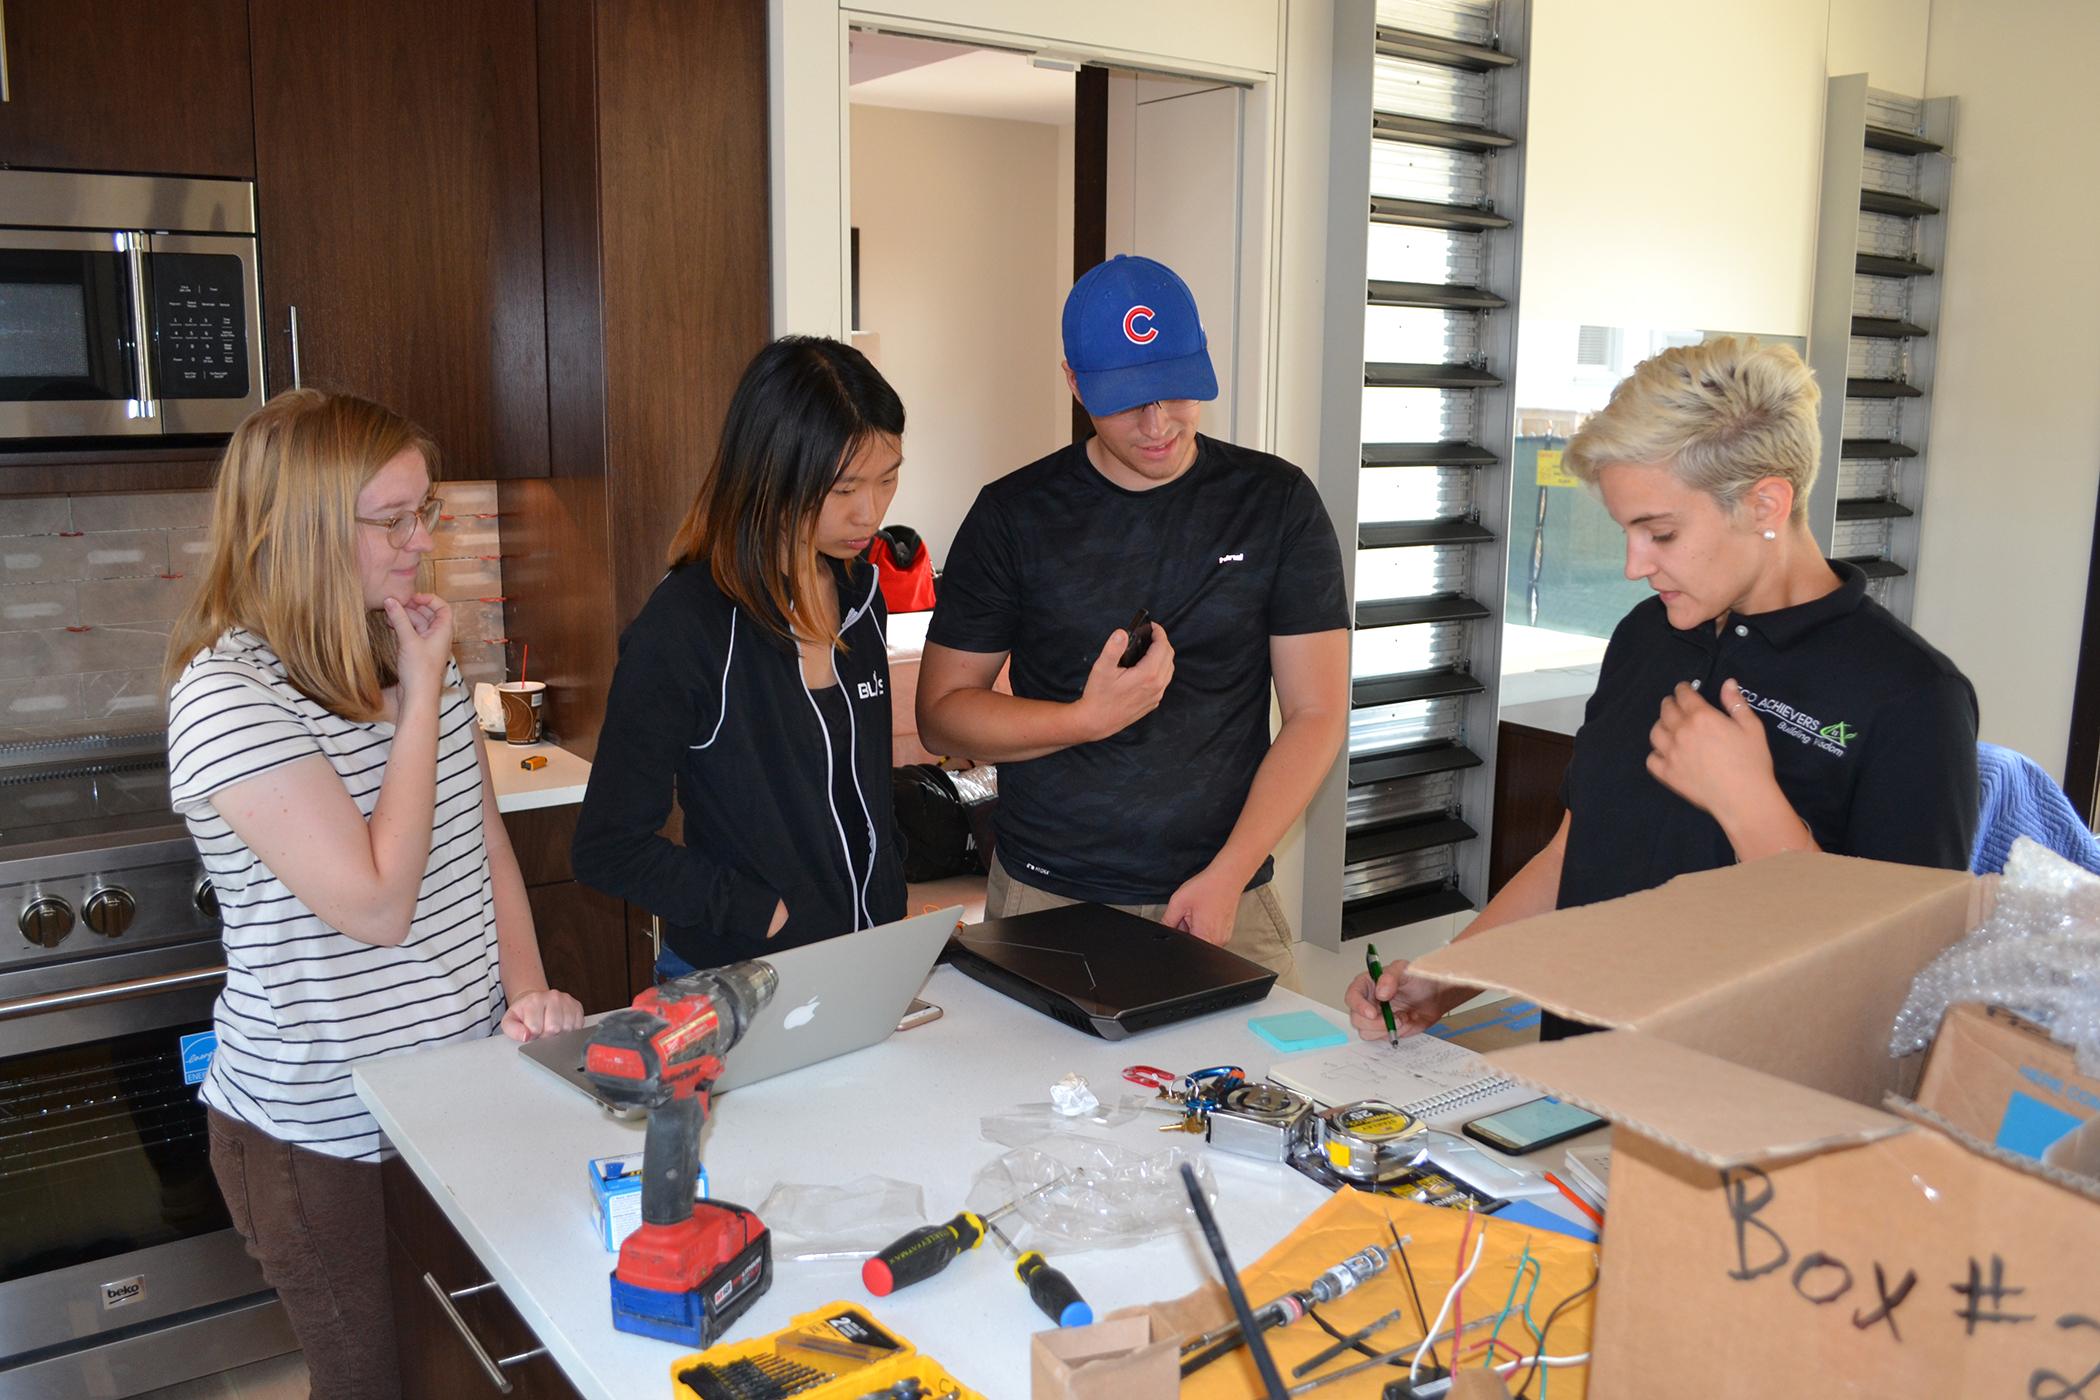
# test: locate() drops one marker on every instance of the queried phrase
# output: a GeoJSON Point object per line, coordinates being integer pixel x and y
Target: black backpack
{"type": "Point", "coordinates": [940, 832]}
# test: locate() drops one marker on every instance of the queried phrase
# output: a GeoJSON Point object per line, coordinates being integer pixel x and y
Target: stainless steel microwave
{"type": "Point", "coordinates": [128, 306]}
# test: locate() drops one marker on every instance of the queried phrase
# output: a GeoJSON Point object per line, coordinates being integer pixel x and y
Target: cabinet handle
{"type": "Point", "coordinates": [295, 331]}
{"type": "Point", "coordinates": [6, 94]}
{"type": "Point", "coordinates": [656, 939]}
{"type": "Point", "coordinates": [492, 1365]}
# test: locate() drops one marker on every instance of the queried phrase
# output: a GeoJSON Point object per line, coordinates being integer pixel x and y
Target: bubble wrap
{"type": "Point", "coordinates": [2038, 954]}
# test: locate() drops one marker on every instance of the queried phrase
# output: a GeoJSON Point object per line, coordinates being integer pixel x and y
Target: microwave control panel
{"type": "Point", "coordinates": [200, 344]}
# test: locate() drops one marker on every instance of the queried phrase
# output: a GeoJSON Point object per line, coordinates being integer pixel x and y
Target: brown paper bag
{"type": "Point", "coordinates": [1130, 1356]}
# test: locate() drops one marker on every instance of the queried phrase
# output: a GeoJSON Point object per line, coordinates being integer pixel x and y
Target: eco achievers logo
{"type": "Point", "coordinates": [1833, 738]}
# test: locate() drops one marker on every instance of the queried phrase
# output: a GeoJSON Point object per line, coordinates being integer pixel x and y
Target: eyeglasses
{"type": "Point", "coordinates": [400, 529]}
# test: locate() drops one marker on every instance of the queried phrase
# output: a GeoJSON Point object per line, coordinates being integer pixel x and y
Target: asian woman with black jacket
{"type": "Point", "coordinates": [754, 685]}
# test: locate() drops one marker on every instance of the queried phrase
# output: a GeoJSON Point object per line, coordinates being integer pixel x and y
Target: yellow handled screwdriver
{"type": "Point", "coordinates": [920, 1254]}
{"type": "Point", "coordinates": [1051, 1291]}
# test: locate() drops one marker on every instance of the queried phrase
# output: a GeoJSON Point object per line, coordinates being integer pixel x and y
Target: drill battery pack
{"type": "Point", "coordinates": [697, 1316]}
{"type": "Point", "coordinates": [836, 1352]}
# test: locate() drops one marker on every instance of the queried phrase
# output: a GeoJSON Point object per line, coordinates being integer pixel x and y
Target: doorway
{"type": "Point", "coordinates": [980, 179]}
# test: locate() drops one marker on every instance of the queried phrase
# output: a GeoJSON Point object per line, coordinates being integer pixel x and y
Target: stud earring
{"type": "Point", "coordinates": [1771, 534]}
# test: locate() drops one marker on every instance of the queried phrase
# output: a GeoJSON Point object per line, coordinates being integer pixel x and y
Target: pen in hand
{"type": "Point", "coordinates": [1392, 1031]}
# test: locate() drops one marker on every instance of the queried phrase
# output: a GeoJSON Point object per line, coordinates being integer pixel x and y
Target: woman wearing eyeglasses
{"type": "Point", "coordinates": [325, 755]}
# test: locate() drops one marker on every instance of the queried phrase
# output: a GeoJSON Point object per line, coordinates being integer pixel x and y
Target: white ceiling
{"type": "Point", "coordinates": [888, 70]}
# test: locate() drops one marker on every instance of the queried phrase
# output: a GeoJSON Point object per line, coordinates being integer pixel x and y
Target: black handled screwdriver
{"type": "Point", "coordinates": [920, 1254]}
{"type": "Point", "coordinates": [1051, 1291]}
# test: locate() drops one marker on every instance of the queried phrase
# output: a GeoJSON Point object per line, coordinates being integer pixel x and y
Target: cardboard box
{"type": "Point", "coordinates": [1784, 1219]}
{"type": "Point", "coordinates": [2000, 1078]}
{"type": "Point", "coordinates": [616, 1196]}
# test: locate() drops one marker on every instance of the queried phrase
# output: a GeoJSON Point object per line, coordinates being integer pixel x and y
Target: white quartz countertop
{"type": "Point", "coordinates": [501, 1145]}
{"type": "Point", "coordinates": [560, 783]}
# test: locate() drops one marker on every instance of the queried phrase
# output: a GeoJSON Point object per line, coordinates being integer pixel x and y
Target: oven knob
{"type": "Point", "coordinates": [47, 921]}
{"type": "Point", "coordinates": [205, 897]}
{"type": "Point", "coordinates": [110, 910]}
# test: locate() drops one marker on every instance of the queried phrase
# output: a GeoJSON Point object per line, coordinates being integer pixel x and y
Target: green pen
{"type": "Point", "coordinates": [1392, 1031]}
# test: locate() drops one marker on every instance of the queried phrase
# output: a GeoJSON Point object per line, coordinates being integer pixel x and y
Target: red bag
{"type": "Point", "coordinates": [903, 568]}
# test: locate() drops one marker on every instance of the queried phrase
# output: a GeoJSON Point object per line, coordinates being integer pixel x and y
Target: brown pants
{"type": "Point", "coordinates": [1261, 933]}
{"type": "Point", "coordinates": [316, 1224]}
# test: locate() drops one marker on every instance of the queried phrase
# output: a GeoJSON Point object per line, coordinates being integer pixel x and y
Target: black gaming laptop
{"type": "Point", "coordinates": [1103, 971]}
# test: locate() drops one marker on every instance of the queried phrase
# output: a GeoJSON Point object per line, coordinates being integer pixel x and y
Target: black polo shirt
{"type": "Point", "coordinates": [1051, 560]}
{"type": "Point", "coordinates": [1872, 732]}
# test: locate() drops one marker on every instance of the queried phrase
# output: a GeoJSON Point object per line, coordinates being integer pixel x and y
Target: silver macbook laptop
{"type": "Point", "coordinates": [841, 995]}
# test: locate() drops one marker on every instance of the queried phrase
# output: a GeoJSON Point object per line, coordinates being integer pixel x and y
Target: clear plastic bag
{"type": "Point", "coordinates": [1107, 1196]}
{"type": "Point", "coordinates": [2037, 954]}
{"type": "Point", "coordinates": [841, 1222]}
{"type": "Point", "coordinates": [1028, 1122]}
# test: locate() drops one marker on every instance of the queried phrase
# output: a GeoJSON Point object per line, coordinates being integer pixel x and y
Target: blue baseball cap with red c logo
{"type": "Point", "coordinates": [1132, 335]}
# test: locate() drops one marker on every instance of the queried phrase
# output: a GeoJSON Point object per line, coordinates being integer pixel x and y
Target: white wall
{"type": "Point", "coordinates": [2015, 443]}
{"type": "Point", "coordinates": [1674, 162]}
{"type": "Point", "coordinates": [1884, 39]}
{"type": "Point", "coordinates": [959, 220]}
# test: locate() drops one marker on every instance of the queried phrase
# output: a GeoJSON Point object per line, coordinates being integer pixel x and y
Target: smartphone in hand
{"type": "Point", "coordinates": [1140, 630]}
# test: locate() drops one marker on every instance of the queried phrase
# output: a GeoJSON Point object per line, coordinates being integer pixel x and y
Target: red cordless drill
{"type": "Point", "coordinates": [692, 1268]}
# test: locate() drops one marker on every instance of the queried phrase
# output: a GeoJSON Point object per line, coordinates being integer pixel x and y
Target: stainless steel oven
{"type": "Point", "coordinates": [119, 1269]}
{"type": "Point", "coordinates": [128, 306]}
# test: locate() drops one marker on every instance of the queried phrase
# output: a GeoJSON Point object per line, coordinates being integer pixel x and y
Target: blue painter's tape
{"type": "Point", "coordinates": [196, 1055]}
{"type": "Point", "coordinates": [2030, 1126]}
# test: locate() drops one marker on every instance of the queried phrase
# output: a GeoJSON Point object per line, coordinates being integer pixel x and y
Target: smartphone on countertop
{"type": "Point", "coordinates": [1530, 1126]}
{"type": "Point", "coordinates": [918, 1014]}
{"type": "Point", "coordinates": [1140, 631]}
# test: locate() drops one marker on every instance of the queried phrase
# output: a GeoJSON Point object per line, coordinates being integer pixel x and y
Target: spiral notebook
{"type": "Point", "coordinates": [1423, 1075]}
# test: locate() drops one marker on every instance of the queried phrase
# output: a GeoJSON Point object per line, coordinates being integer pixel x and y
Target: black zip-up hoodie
{"type": "Point", "coordinates": [708, 697]}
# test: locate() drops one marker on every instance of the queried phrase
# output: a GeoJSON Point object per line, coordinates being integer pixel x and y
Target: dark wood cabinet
{"type": "Point", "coordinates": [1529, 766]}
{"type": "Point", "coordinates": [150, 87]}
{"type": "Point", "coordinates": [653, 142]}
{"type": "Point", "coordinates": [397, 176]}
{"type": "Point", "coordinates": [426, 1256]}
{"type": "Point", "coordinates": [585, 939]}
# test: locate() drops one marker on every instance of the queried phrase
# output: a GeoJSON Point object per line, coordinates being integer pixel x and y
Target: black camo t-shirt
{"type": "Point", "coordinates": [1055, 557]}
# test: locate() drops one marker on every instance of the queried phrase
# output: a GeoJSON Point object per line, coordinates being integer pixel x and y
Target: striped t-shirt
{"type": "Point", "coordinates": [303, 1003]}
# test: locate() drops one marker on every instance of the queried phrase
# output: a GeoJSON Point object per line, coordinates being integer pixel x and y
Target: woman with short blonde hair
{"type": "Point", "coordinates": [326, 759]}
{"type": "Point", "coordinates": [1761, 701]}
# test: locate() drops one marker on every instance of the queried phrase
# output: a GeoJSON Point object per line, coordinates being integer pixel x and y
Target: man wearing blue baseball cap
{"type": "Point", "coordinates": [1149, 782]}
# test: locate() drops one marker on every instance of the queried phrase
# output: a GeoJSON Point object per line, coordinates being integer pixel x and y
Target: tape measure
{"type": "Point", "coordinates": [1369, 1140]}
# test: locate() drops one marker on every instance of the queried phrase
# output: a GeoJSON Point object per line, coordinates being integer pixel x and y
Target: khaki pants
{"type": "Point", "coordinates": [1260, 934]}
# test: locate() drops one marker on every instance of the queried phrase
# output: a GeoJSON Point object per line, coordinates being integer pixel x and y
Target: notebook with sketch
{"type": "Point", "coordinates": [1423, 1075]}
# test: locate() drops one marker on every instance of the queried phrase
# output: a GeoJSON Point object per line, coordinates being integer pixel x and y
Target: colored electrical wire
{"type": "Point", "coordinates": [1458, 1294]}
{"type": "Point", "coordinates": [1414, 1366]}
{"type": "Point", "coordinates": [1542, 1359]}
{"type": "Point", "coordinates": [1524, 1261]}
{"type": "Point", "coordinates": [1421, 1313]}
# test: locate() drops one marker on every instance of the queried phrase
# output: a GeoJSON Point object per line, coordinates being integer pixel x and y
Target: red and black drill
{"type": "Point", "coordinates": [692, 1268]}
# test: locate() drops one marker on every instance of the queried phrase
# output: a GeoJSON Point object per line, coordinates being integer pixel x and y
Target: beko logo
{"type": "Point", "coordinates": [124, 1290]}
{"type": "Point", "coordinates": [870, 690]}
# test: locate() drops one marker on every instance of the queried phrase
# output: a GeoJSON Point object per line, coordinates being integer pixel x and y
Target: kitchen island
{"type": "Point", "coordinates": [500, 1146]}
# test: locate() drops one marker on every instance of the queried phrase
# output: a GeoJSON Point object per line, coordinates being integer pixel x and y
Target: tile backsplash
{"type": "Point", "coordinates": [89, 586]}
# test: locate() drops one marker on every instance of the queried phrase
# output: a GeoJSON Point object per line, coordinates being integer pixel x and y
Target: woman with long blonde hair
{"type": "Point", "coordinates": [325, 756]}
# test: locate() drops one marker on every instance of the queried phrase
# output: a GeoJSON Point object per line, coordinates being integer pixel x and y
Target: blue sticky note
{"type": "Point", "coordinates": [1293, 1031]}
{"type": "Point", "coordinates": [2030, 1127]}
{"type": "Point", "coordinates": [1531, 1213]}
{"type": "Point", "coordinates": [196, 1055]}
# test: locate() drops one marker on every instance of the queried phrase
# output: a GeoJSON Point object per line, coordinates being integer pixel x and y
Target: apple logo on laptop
{"type": "Point", "coordinates": [801, 1015]}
